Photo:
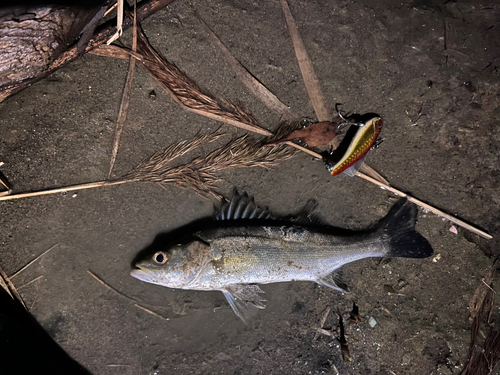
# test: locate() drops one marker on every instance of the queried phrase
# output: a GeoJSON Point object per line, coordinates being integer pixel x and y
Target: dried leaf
{"type": "Point", "coordinates": [311, 81]}
{"type": "Point", "coordinates": [257, 88]}
{"type": "Point", "coordinates": [314, 135]}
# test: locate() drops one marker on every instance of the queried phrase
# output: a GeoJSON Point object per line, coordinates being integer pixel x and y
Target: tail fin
{"type": "Point", "coordinates": [399, 227]}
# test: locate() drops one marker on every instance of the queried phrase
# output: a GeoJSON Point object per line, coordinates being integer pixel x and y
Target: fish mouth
{"type": "Point", "coordinates": [141, 275]}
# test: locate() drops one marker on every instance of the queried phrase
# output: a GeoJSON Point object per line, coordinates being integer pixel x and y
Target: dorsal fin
{"type": "Point", "coordinates": [306, 216]}
{"type": "Point", "coordinates": [241, 207]}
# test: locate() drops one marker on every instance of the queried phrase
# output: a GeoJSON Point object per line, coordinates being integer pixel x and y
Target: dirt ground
{"type": "Point", "coordinates": [440, 100]}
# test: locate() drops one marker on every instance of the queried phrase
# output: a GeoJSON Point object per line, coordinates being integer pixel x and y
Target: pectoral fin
{"type": "Point", "coordinates": [243, 298]}
{"type": "Point", "coordinates": [334, 281]}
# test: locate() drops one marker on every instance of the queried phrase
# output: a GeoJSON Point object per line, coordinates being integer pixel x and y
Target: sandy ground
{"type": "Point", "coordinates": [441, 108]}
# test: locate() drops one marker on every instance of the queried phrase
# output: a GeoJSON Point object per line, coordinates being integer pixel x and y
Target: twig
{"type": "Point", "coordinates": [489, 287]}
{"type": "Point", "coordinates": [122, 114]}
{"type": "Point", "coordinates": [324, 332]}
{"type": "Point", "coordinates": [151, 312]}
{"type": "Point", "coordinates": [31, 262]}
{"type": "Point", "coordinates": [322, 323]}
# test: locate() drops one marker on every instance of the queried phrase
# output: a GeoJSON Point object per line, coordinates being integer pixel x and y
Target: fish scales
{"type": "Point", "coordinates": [278, 254]}
{"type": "Point", "coordinates": [243, 251]}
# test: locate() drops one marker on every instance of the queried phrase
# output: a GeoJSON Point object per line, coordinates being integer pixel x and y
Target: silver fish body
{"type": "Point", "coordinates": [234, 257]}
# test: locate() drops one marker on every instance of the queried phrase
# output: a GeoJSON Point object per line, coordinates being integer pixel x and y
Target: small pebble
{"type": "Point", "coordinates": [152, 95]}
{"type": "Point", "coordinates": [453, 229]}
{"type": "Point", "coordinates": [372, 322]}
{"type": "Point", "coordinates": [436, 258]}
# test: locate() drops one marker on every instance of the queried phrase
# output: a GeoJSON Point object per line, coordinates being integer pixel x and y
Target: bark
{"type": "Point", "coordinates": [35, 42]}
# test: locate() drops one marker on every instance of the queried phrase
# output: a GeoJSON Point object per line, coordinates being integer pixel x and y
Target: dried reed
{"type": "Point", "coordinates": [201, 173]}
{"type": "Point", "coordinates": [5, 183]}
{"type": "Point", "coordinates": [189, 95]}
{"type": "Point", "coordinates": [119, 22]}
{"type": "Point", "coordinates": [9, 287]}
{"type": "Point", "coordinates": [32, 261]}
{"type": "Point", "coordinates": [122, 113]}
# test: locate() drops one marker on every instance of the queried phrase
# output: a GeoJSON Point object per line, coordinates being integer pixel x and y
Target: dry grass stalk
{"type": "Point", "coordinates": [125, 296]}
{"type": "Point", "coordinates": [30, 282]}
{"type": "Point", "coordinates": [65, 189]}
{"type": "Point", "coordinates": [113, 7]}
{"type": "Point", "coordinates": [322, 323]}
{"type": "Point", "coordinates": [483, 360]}
{"type": "Point", "coordinates": [159, 163]}
{"type": "Point", "coordinates": [31, 262]}
{"type": "Point", "coordinates": [426, 206]}
{"type": "Point", "coordinates": [116, 51]}
{"type": "Point", "coordinates": [257, 88]}
{"type": "Point", "coordinates": [110, 287]}
{"type": "Point", "coordinates": [151, 312]}
{"type": "Point", "coordinates": [9, 287]}
{"type": "Point", "coordinates": [201, 173]}
{"type": "Point", "coordinates": [5, 184]}
{"type": "Point", "coordinates": [119, 22]}
{"type": "Point", "coordinates": [122, 113]}
{"type": "Point", "coordinates": [189, 95]}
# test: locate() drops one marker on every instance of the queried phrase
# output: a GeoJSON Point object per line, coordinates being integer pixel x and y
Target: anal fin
{"type": "Point", "coordinates": [243, 299]}
{"type": "Point", "coordinates": [334, 281]}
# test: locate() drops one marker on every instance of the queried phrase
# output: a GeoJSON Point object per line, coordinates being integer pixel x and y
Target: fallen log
{"type": "Point", "coordinates": [36, 41]}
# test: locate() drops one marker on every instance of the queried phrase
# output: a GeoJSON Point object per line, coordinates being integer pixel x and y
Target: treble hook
{"type": "Point", "coordinates": [346, 121]}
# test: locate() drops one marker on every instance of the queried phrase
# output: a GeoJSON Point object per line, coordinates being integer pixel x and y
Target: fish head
{"type": "Point", "coordinates": [175, 267]}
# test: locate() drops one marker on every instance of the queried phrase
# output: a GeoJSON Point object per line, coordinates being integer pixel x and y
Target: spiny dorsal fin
{"type": "Point", "coordinates": [241, 207]}
{"type": "Point", "coordinates": [307, 216]}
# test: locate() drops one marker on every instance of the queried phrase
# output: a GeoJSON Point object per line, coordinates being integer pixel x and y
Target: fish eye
{"type": "Point", "coordinates": [160, 257]}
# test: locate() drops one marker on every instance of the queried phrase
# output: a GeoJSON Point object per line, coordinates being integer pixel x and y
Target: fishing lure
{"type": "Point", "coordinates": [358, 148]}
